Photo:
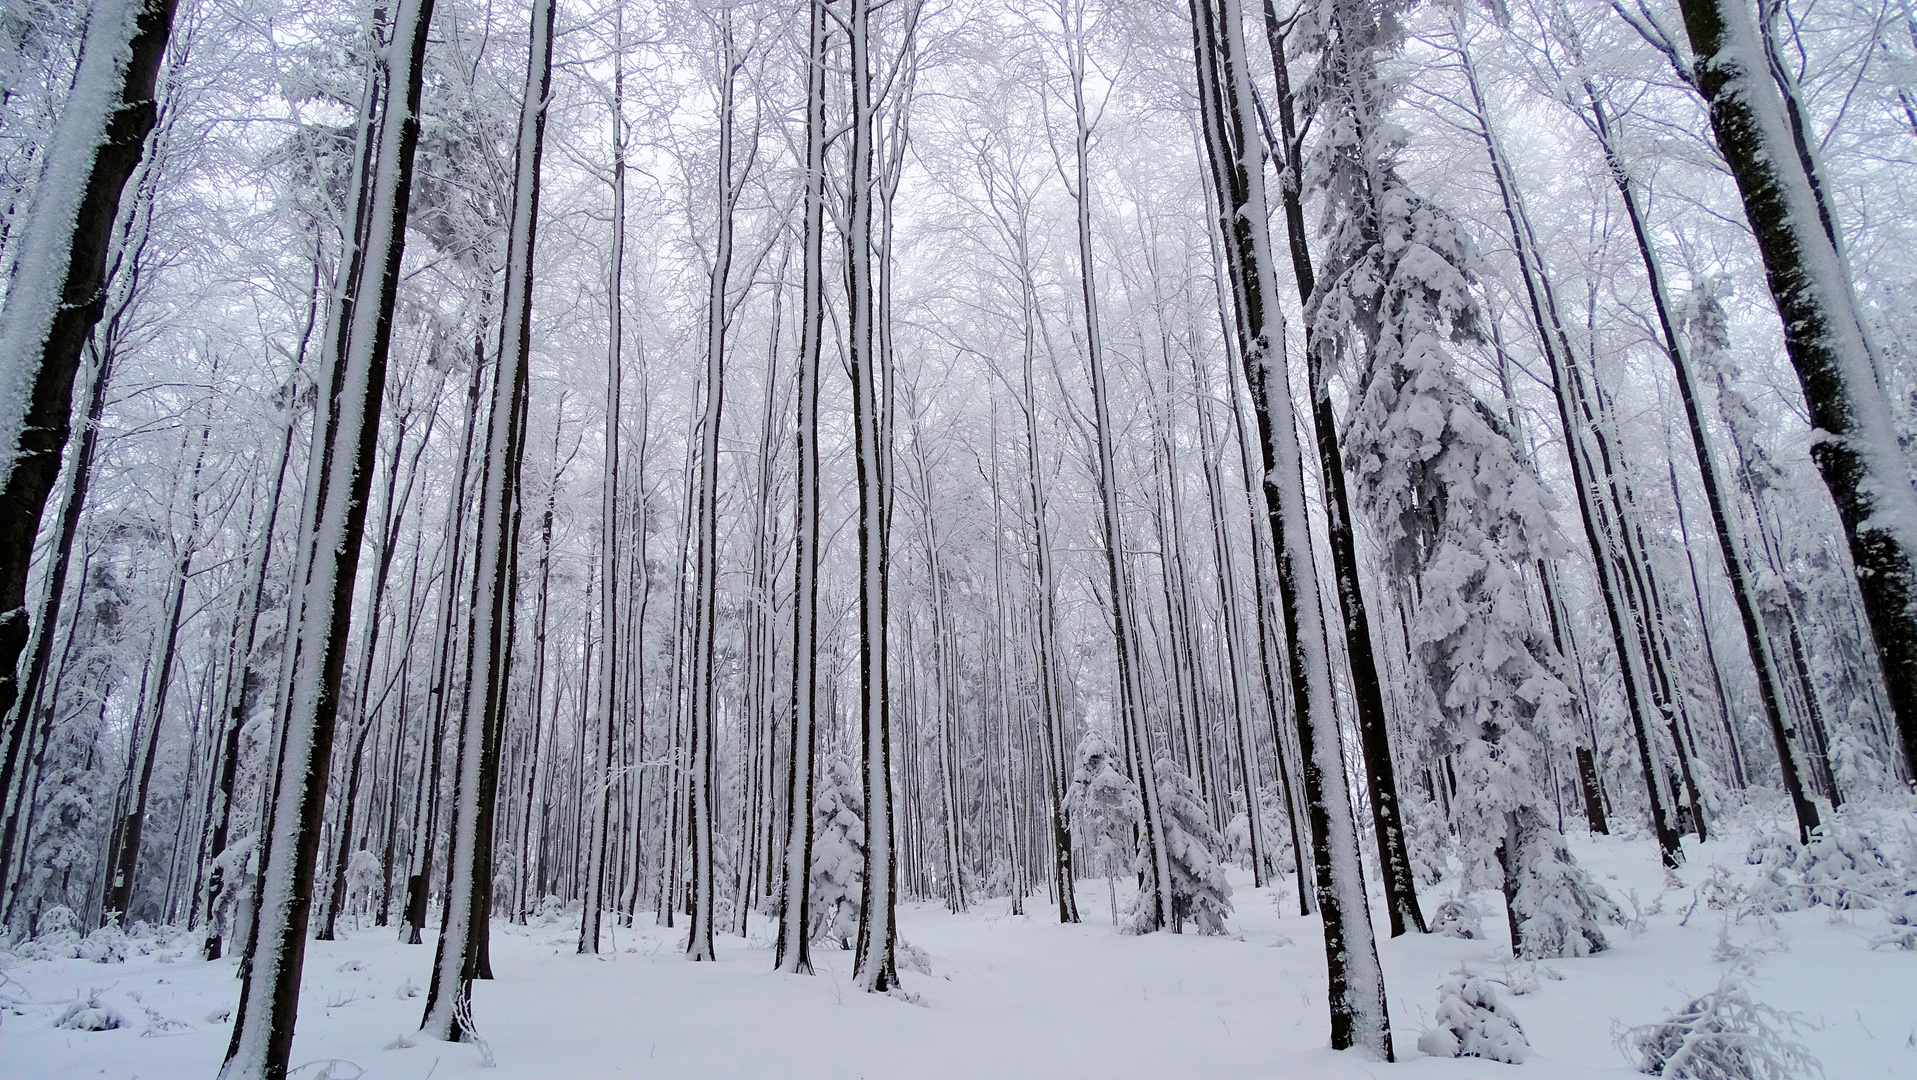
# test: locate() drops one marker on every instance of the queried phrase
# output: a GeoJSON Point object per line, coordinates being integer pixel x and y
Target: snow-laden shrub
{"type": "Point", "coordinates": [88, 1013]}
{"type": "Point", "coordinates": [107, 945]}
{"type": "Point", "coordinates": [1719, 891]}
{"type": "Point", "coordinates": [1557, 909]}
{"type": "Point", "coordinates": [1844, 868]}
{"type": "Point", "coordinates": [1526, 977]}
{"type": "Point", "coordinates": [551, 910]}
{"type": "Point", "coordinates": [1199, 892]}
{"type": "Point", "coordinates": [1457, 917]}
{"type": "Point", "coordinates": [913, 958]}
{"type": "Point", "coordinates": [1722, 1035]}
{"type": "Point", "coordinates": [838, 854]}
{"type": "Point", "coordinates": [1901, 914]}
{"type": "Point", "coordinates": [1473, 1021]}
{"type": "Point", "coordinates": [1841, 867]}
{"type": "Point", "coordinates": [56, 935]}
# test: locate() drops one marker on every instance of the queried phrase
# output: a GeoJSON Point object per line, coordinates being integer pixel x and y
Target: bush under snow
{"type": "Point", "coordinates": [88, 1013]}
{"type": "Point", "coordinates": [1722, 1035]}
{"type": "Point", "coordinates": [1457, 917]}
{"type": "Point", "coordinates": [1474, 1021]}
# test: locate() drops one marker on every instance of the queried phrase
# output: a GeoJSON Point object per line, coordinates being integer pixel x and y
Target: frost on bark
{"type": "Point", "coordinates": [875, 967]}
{"type": "Point", "coordinates": [794, 952]}
{"type": "Point", "coordinates": [56, 293]}
{"type": "Point", "coordinates": [461, 955]}
{"type": "Point", "coordinates": [351, 378]}
{"type": "Point", "coordinates": [1856, 446]}
{"type": "Point", "coordinates": [1356, 980]}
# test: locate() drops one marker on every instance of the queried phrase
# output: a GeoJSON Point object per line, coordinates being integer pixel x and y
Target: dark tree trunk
{"type": "Point", "coordinates": [1400, 885]}
{"type": "Point", "coordinates": [345, 437]}
{"type": "Point", "coordinates": [53, 345]}
{"type": "Point", "coordinates": [1858, 452]}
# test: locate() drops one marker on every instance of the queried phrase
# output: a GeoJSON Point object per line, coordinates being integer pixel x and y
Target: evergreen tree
{"type": "Point", "coordinates": [1199, 892]}
{"type": "Point", "coordinates": [838, 855]}
{"type": "Point", "coordinates": [1459, 512]}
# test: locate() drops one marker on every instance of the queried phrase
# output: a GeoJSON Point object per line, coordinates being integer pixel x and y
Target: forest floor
{"type": "Point", "coordinates": [1008, 996]}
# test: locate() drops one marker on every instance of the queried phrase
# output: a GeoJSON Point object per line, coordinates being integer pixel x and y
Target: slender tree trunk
{"type": "Point", "coordinates": [1858, 451]}
{"type": "Point", "coordinates": [461, 955]}
{"type": "Point", "coordinates": [124, 864]}
{"type": "Point", "coordinates": [604, 694]}
{"type": "Point", "coordinates": [1400, 885]}
{"type": "Point", "coordinates": [352, 378]}
{"type": "Point", "coordinates": [874, 967]}
{"type": "Point", "coordinates": [703, 722]}
{"type": "Point", "coordinates": [1356, 980]}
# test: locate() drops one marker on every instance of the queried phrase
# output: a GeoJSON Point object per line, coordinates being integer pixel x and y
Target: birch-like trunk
{"type": "Point", "coordinates": [1356, 980]}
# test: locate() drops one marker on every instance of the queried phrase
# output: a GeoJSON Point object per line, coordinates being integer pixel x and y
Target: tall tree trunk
{"type": "Point", "coordinates": [704, 718]}
{"type": "Point", "coordinates": [240, 693]}
{"type": "Point", "coordinates": [124, 863]}
{"type": "Point", "coordinates": [793, 953]}
{"type": "Point", "coordinates": [875, 967]}
{"type": "Point", "coordinates": [461, 955]}
{"type": "Point", "coordinates": [352, 379]}
{"type": "Point", "coordinates": [1137, 735]}
{"type": "Point", "coordinates": [1857, 451]}
{"type": "Point", "coordinates": [50, 310]}
{"type": "Point", "coordinates": [604, 704]}
{"type": "Point", "coordinates": [1400, 885]}
{"type": "Point", "coordinates": [1356, 980]}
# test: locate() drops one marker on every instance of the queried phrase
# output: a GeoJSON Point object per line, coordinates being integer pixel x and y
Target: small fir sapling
{"type": "Point", "coordinates": [1199, 890]}
{"type": "Point", "coordinates": [1276, 830]}
{"type": "Point", "coordinates": [1103, 806]}
{"type": "Point", "coordinates": [1722, 1035]}
{"type": "Point", "coordinates": [1859, 773]}
{"type": "Point", "coordinates": [1457, 917]}
{"type": "Point", "coordinates": [1432, 843]}
{"type": "Point", "coordinates": [838, 855]}
{"type": "Point", "coordinates": [1556, 908]}
{"type": "Point", "coordinates": [1474, 1021]}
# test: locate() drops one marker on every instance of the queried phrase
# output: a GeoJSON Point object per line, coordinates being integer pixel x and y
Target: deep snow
{"type": "Point", "coordinates": [1007, 997]}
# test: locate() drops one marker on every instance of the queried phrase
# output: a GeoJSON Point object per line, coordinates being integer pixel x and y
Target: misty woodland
{"type": "Point", "coordinates": [1073, 538]}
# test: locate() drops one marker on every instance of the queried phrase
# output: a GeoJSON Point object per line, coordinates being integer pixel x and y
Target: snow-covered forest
{"type": "Point", "coordinates": [1067, 538]}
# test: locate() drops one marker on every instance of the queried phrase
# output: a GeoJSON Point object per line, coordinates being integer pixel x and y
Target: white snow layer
{"type": "Point", "coordinates": [1006, 997]}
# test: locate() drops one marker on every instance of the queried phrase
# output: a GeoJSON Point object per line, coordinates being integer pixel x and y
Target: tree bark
{"type": "Point", "coordinates": [1857, 449]}
{"type": "Point", "coordinates": [461, 955]}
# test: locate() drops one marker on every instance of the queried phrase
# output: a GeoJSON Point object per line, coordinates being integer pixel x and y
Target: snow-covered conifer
{"type": "Point", "coordinates": [1457, 508]}
{"type": "Point", "coordinates": [1474, 1021]}
{"type": "Point", "coordinates": [1102, 802]}
{"type": "Point", "coordinates": [1722, 1035]}
{"type": "Point", "coordinates": [838, 854]}
{"type": "Point", "coordinates": [1199, 890]}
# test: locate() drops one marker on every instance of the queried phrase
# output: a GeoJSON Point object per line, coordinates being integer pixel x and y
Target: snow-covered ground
{"type": "Point", "coordinates": [1007, 997]}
